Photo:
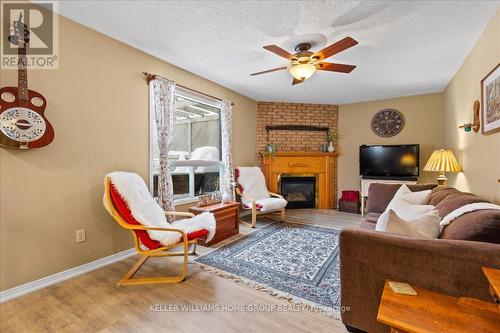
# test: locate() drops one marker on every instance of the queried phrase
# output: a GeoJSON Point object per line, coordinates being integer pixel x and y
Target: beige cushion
{"type": "Point", "coordinates": [424, 226]}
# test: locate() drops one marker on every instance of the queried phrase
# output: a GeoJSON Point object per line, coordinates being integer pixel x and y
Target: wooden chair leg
{"type": "Point", "coordinates": [283, 215]}
{"type": "Point", "coordinates": [254, 217]}
{"type": "Point", "coordinates": [133, 270]}
{"type": "Point", "coordinates": [193, 252]}
{"type": "Point", "coordinates": [128, 280]}
{"type": "Point", "coordinates": [185, 263]}
{"type": "Point", "coordinates": [248, 223]}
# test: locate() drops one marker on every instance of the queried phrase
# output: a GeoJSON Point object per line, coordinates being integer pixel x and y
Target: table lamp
{"type": "Point", "coordinates": [442, 160]}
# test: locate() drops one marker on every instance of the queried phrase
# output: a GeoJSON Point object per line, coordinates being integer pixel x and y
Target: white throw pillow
{"type": "Point", "coordinates": [424, 226]}
{"type": "Point", "coordinates": [405, 195]}
{"type": "Point", "coordinates": [407, 204]}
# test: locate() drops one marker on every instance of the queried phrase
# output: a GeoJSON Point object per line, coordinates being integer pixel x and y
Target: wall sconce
{"type": "Point", "coordinates": [476, 124]}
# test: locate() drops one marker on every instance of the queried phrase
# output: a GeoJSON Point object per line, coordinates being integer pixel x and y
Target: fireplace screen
{"type": "Point", "coordinates": [300, 192]}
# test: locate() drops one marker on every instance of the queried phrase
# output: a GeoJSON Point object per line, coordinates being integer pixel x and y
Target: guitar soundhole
{"type": "Point", "coordinates": [22, 124]}
{"type": "Point", "coordinates": [37, 101]}
{"type": "Point", "coordinates": [8, 97]}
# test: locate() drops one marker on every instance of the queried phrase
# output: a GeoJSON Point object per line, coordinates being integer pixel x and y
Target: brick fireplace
{"type": "Point", "coordinates": [271, 113]}
{"type": "Point", "coordinates": [300, 142]}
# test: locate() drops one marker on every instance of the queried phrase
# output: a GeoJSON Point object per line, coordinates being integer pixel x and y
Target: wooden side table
{"type": "Point", "coordinates": [226, 218]}
{"type": "Point", "coordinates": [430, 312]}
{"type": "Point", "coordinates": [493, 277]}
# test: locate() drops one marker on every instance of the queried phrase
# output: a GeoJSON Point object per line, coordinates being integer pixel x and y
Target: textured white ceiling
{"type": "Point", "coordinates": [405, 47]}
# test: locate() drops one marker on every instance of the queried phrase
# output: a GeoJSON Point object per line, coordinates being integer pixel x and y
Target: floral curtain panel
{"type": "Point", "coordinates": [227, 158]}
{"type": "Point", "coordinates": [164, 106]}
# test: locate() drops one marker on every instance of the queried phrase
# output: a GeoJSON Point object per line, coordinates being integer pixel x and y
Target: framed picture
{"type": "Point", "coordinates": [490, 101]}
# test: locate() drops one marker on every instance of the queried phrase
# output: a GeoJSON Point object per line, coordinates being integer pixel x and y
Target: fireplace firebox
{"type": "Point", "coordinates": [300, 192]}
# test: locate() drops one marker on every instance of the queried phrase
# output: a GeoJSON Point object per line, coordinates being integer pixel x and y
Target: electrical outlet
{"type": "Point", "coordinates": [80, 235]}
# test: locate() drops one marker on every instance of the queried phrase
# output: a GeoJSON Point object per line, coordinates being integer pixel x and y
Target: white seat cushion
{"type": "Point", "coordinates": [268, 204]}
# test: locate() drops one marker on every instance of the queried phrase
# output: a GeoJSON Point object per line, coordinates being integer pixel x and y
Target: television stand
{"type": "Point", "coordinates": [366, 182]}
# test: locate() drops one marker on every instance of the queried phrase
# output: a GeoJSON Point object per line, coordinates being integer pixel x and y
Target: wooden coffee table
{"type": "Point", "coordinates": [434, 312]}
{"type": "Point", "coordinates": [226, 217]}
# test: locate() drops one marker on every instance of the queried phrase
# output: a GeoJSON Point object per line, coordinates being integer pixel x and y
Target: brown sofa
{"type": "Point", "coordinates": [451, 264]}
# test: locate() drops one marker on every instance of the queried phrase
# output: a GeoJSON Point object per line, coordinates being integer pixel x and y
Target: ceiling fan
{"type": "Point", "coordinates": [304, 63]}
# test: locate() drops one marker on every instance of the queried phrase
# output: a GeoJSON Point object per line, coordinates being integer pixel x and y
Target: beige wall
{"type": "Point", "coordinates": [98, 104]}
{"type": "Point", "coordinates": [423, 125]}
{"type": "Point", "coordinates": [478, 154]}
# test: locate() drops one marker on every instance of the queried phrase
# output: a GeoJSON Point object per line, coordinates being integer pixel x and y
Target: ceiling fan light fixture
{"type": "Point", "coordinates": [302, 71]}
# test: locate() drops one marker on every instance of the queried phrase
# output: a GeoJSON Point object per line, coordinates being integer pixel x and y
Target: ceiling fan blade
{"type": "Point", "coordinates": [329, 66]}
{"type": "Point", "coordinates": [335, 48]}
{"type": "Point", "coordinates": [296, 81]}
{"type": "Point", "coordinates": [270, 70]}
{"type": "Point", "coordinates": [279, 51]}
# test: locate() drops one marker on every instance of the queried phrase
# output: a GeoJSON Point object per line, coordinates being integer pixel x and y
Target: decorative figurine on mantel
{"type": "Point", "coordinates": [331, 137]}
{"type": "Point", "coordinates": [270, 149]}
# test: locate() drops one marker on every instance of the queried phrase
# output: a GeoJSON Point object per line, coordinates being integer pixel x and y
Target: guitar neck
{"type": "Point", "coordinates": [22, 73]}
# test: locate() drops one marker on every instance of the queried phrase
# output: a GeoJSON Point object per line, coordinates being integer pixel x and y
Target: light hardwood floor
{"type": "Point", "coordinates": [92, 302]}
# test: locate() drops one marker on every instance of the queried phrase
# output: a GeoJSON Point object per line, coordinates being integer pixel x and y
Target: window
{"type": "Point", "coordinates": [195, 156]}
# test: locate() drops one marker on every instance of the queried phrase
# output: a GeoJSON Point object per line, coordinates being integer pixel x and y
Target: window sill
{"type": "Point", "coordinates": [184, 201]}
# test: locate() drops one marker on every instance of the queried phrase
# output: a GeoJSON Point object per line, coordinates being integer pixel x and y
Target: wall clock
{"type": "Point", "coordinates": [387, 122]}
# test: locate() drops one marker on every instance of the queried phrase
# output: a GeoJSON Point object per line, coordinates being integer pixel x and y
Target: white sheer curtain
{"type": "Point", "coordinates": [164, 107]}
{"type": "Point", "coordinates": [227, 157]}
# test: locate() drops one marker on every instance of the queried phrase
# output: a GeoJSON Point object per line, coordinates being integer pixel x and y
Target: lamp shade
{"type": "Point", "coordinates": [442, 160]}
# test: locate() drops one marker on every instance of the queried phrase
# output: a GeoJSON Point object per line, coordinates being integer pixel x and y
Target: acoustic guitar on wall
{"type": "Point", "coordinates": [22, 121]}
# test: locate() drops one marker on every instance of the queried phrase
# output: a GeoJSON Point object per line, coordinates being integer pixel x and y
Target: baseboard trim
{"type": "Point", "coordinates": [32, 286]}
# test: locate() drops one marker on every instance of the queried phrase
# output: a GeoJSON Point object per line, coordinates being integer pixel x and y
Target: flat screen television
{"type": "Point", "coordinates": [389, 161]}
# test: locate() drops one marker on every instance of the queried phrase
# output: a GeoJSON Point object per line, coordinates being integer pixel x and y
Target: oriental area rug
{"type": "Point", "coordinates": [294, 261]}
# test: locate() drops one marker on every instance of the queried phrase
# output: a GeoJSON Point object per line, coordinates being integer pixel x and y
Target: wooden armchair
{"type": "Point", "coordinates": [146, 246]}
{"type": "Point", "coordinates": [251, 187]}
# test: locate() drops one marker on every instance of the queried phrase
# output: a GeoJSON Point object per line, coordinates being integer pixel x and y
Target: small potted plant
{"type": "Point", "coordinates": [270, 149]}
{"type": "Point", "coordinates": [331, 137]}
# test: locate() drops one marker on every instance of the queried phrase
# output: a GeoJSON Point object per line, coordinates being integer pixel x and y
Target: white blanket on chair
{"type": "Point", "coordinates": [270, 204]}
{"type": "Point", "coordinates": [252, 183]}
{"type": "Point", "coordinates": [148, 212]}
{"type": "Point", "coordinates": [466, 209]}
